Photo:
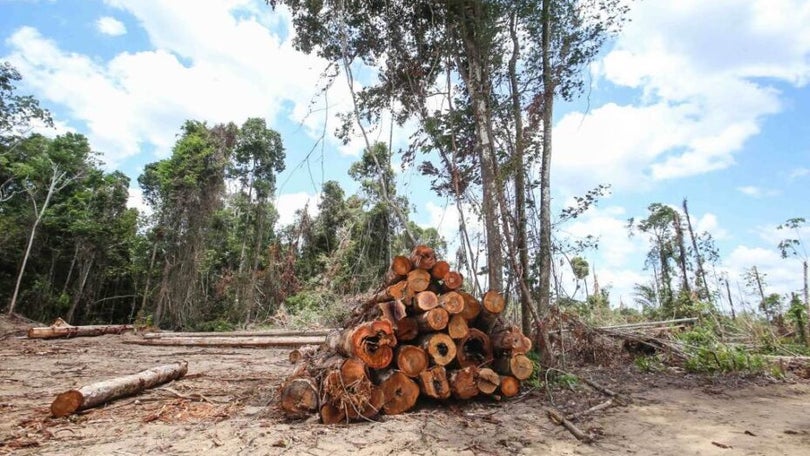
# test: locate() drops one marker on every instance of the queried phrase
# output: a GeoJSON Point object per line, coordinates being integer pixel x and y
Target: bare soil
{"type": "Point", "coordinates": [225, 406]}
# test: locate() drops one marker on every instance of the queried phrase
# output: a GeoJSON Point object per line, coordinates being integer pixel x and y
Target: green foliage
{"type": "Point", "coordinates": [722, 358]}
{"type": "Point", "coordinates": [648, 364]}
{"type": "Point", "coordinates": [218, 325]}
{"type": "Point", "coordinates": [797, 314]}
{"type": "Point", "coordinates": [310, 308]}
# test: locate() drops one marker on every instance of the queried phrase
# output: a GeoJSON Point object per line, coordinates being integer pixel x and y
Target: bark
{"type": "Point", "coordinates": [235, 342]}
{"type": "Point", "coordinates": [463, 382]}
{"type": "Point", "coordinates": [433, 383]}
{"type": "Point", "coordinates": [407, 329]}
{"type": "Point", "coordinates": [676, 221]}
{"type": "Point", "coordinates": [303, 353]}
{"type": "Point", "coordinates": [518, 366]}
{"type": "Point", "coordinates": [452, 302]}
{"type": "Point", "coordinates": [411, 360]}
{"type": "Point", "coordinates": [474, 350]}
{"type": "Point", "coordinates": [98, 393]}
{"type": "Point", "coordinates": [488, 380]}
{"type": "Point", "coordinates": [393, 311]}
{"type": "Point", "coordinates": [400, 392]}
{"type": "Point", "coordinates": [544, 280]}
{"type": "Point", "coordinates": [331, 415]}
{"type": "Point", "coordinates": [440, 347]}
{"type": "Point", "coordinates": [510, 340]}
{"type": "Point", "coordinates": [60, 329]}
{"type": "Point", "coordinates": [472, 307]}
{"type": "Point", "coordinates": [432, 320]}
{"type": "Point", "coordinates": [400, 267]}
{"type": "Point", "coordinates": [391, 292]}
{"type": "Point", "coordinates": [298, 398]}
{"type": "Point", "coordinates": [731, 302]}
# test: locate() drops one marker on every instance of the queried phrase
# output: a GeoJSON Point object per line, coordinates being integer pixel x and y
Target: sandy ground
{"type": "Point", "coordinates": [221, 407]}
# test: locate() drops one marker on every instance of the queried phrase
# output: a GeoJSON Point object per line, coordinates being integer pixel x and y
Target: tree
{"type": "Point", "coordinates": [795, 247]}
{"type": "Point", "coordinates": [49, 167]}
{"type": "Point", "coordinates": [18, 113]}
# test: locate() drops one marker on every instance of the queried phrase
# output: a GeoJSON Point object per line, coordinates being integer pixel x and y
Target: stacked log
{"type": "Point", "coordinates": [420, 335]}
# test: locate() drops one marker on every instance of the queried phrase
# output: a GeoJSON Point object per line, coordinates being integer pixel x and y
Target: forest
{"type": "Point", "coordinates": [209, 253]}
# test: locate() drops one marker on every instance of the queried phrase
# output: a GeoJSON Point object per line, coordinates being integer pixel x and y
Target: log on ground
{"type": "Point", "coordinates": [98, 393]}
{"type": "Point", "coordinates": [232, 342]}
{"type": "Point", "coordinates": [299, 398]}
{"type": "Point", "coordinates": [60, 329]}
{"type": "Point", "coordinates": [400, 392]}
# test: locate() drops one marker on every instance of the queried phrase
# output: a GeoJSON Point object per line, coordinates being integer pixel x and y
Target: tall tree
{"type": "Point", "coordinates": [795, 247]}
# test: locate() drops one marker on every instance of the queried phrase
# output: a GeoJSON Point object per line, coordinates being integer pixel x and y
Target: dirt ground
{"type": "Point", "coordinates": [221, 407]}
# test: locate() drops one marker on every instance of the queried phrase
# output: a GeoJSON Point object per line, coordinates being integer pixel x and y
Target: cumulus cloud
{"type": "Point", "coordinates": [138, 100]}
{"type": "Point", "coordinates": [288, 203]}
{"type": "Point", "coordinates": [110, 26]}
{"type": "Point", "coordinates": [700, 102]}
{"type": "Point", "coordinates": [756, 192]}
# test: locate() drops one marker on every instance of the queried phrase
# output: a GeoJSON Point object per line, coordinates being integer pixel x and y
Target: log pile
{"type": "Point", "coordinates": [420, 335]}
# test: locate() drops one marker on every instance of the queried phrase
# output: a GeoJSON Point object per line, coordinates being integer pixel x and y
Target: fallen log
{"type": "Point", "coordinates": [453, 280]}
{"type": "Point", "coordinates": [432, 320]}
{"type": "Point", "coordinates": [457, 327]}
{"type": "Point", "coordinates": [393, 311]}
{"type": "Point", "coordinates": [440, 269]}
{"type": "Point", "coordinates": [61, 329]}
{"type": "Point", "coordinates": [423, 257]}
{"type": "Point", "coordinates": [452, 302]}
{"type": "Point", "coordinates": [418, 280]}
{"type": "Point", "coordinates": [304, 352]}
{"type": "Point", "coordinates": [263, 333]}
{"type": "Point", "coordinates": [472, 307]}
{"type": "Point", "coordinates": [510, 386]}
{"type": "Point", "coordinates": [426, 300]}
{"type": "Point", "coordinates": [232, 342]}
{"type": "Point", "coordinates": [559, 419]}
{"type": "Point", "coordinates": [98, 393]}
{"type": "Point", "coordinates": [400, 266]}
{"type": "Point", "coordinates": [463, 382]}
{"type": "Point", "coordinates": [407, 329]}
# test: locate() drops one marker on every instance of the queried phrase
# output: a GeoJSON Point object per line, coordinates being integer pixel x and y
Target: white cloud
{"type": "Point", "coordinates": [136, 201]}
{"type": "Point", "coordinates": [781, 276]}
{"type": "Point", "coordinates": [704, 93]}
{"type": "Point", "coordinates": [799, 173]}
{"type": "Point", "coordinates": [140, 99]}
{"type": "Point", "coordinates": [111, 26]}
{"type": "Point", "coordinates": [288, 203]}
{"type": "Point", "coordinates": [708, 223]}
{"type": "Point", "coordinates": [756, 192]}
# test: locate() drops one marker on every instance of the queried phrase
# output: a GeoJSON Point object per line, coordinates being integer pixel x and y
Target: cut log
{"type": "Point", "coordinates": [423, 257]}
{"type": "Point", "coordinates": [432, 320]}
{"type": "Point", "coordinates": [352, 396]}
{"type": "Point", "coordinates": [457, 327]}
{"type": "Point", "coordinates": [353, 371]}
{"type": "Point", "coordinates": [299, 398]}
{"type": "Point", "coordinates": [407, 329]}
{"type": "Point", "coordinates": [418, 280]}
{"type": "Point", "coordinates": [510, 386]}
{"type": "Point", "coordinates": [509, 340]}
{"type": "Point", "coordinates": [393, 311]}
{"type": "Point", "coordinates": [98, 393]}
{"type": "Point", "coordinates": [331, 414]}
{"type": "Point", "coordinates": [372, 342]}
{"type": "Point", "coordinates": [400, 266]}
{"type": "Point", "coordinates": [411, 360]}
{"type": "Point", "coordinates": [369, 408]}
{"type": "Point", "coordinates": [391, 292]}
{"type": "Point", "coordinates": [471, 306]}
{"type": "Point", "coordinates": [232, 342]}
{"type": "Point", "coordinates": [474, 350]}
{"type": "Point", "coordinates": [463, 382]}
{"type": "Point", "coordinates": [439, 347]}
{"type": "Point", "coordinates": [488, 380]}
{"type": "Point", "coordinates": [60, 329]}
{"type": "Point", "coordinates": [518, 366]}
{"type": "Point", "coordinates": [440, 269]}
{"type": "Point", "coordinates": [302, 353]}
{"type": "Point", "coordinates": [264, 333]}
{"type": "Point", "coordinates": [493, 302]}
{"type": "Point", "coordinates": [400, 392]}
{"type": "Point", "coordinates": [452, 302]}
{"type": "Point", "coordinates": [433, 383]}
{"type": "Point", "coordinates": [453, 280]}
{"type": "Point", "coordinates": [426, 300]}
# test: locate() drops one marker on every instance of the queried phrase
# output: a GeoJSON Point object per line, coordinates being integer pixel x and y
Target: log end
{"type": "Point", "coordinates": [66, 403]}
{"type": "Point", "coordinates": [400, 393]}
{"type": "Point", "coordinates": [299, 398]}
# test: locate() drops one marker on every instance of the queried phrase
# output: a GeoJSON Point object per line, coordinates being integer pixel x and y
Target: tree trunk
{"type": "Point", "coordinates": [676, 222]}
{"type": "Point", "coordinates": [98, 393]}
{"type": "Point", "coordinates": [432, 320]}
{"type": "Point", "coordinates": [407, 329]}
{"type": "Point", "coordinates": [510, 386]}
{"type": "Point", "coordinates": [806, 300]}
{"type": "Point", "coordinates": [457, 327]}
{"type": "Point", "coordinates": [265, 333]}
{"type": "Point", "coordinates": [701, 272]}
{"type": "Point", "coordinates": [433, 383]}
{"type": "Point", "coordinates": [426, 300]}
{"type": "Point", "coordinates": [488, 380]}
{"type": "Point", "coordinates": [440, 270]}
{"type": "Point", "coordinates": [86, 267]}
{"type": "Point", "coordinates": [453, 280]}
{"type": "Point", "coordinates": [411, 360]}
{"type": "Point", "coordinates": [472, 307]}
{"type": "Point", "coordinates": [418, 280]}
{"type": "Point", "coordinates": [518, 366]}
{"type": "Point", "coordinates": [423, 257]}
{"type": "Point", "coordinates": [730, 301]}
{"type": "Point", "coordinates": [544, 281]}
{"type": "Point", "coordinates": [372, 342]}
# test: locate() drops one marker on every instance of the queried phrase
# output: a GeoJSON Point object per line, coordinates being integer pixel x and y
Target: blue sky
{"type": "Point", "coordinates": [696, 99]}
